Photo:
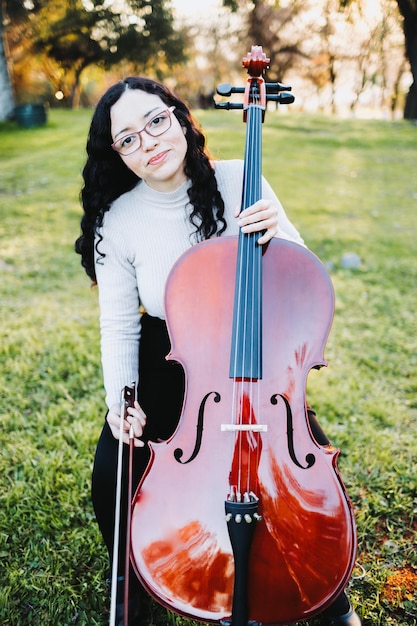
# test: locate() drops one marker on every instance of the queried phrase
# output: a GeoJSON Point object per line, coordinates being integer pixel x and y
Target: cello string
{"type": "Point", "coordinates": [235, 394]}
{"type": "Point", "coordinates": [248, 296]}
{"type": "Point", "coordinates": [243, 297]}
{"type": "Point", "coordinates": [245, 401]}
{"type": "Point", "coordinates": [255, 345]}
{"type": "Point", "coordinates": [250, 261]}
{"type": "Point", "coordinates": [259, 301]}
{"type": "Point", "coordinates": [248, 440]}
{"type": "Point", "coordinates": [240, 325]}
{"type": "Point", "coordinates": [258, 304]}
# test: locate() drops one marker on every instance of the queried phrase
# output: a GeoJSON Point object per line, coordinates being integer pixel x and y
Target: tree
{"type": "Point", "coordinates": [62, 39]}
{"type": "Point", "coordinates": [408, 10]}
{"type": "Point", "coordinates": [357, 39]}
{"type": "Point", "coordinates": [274, 25]}
{"type": "Point", "coordinates": [16, 11]}
{"type": "Point", "coordinates": [6, 91]}
{"type": "Point", "coordinates": [79, 35]}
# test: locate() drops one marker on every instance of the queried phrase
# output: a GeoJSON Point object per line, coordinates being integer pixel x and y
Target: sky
{"type": "Point", "coordinates": [195, 8]}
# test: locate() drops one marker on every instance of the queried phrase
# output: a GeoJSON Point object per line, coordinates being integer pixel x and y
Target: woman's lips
{"type": "Point", "coordinates": [158, 158]}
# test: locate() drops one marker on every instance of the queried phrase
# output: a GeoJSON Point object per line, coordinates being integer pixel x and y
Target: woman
{"type": "Point", "coordinates": [150, 192]}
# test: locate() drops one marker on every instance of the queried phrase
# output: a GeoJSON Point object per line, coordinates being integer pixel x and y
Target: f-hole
{"type": "Point", "coordinates": [310, 458]}
{"type": "Point", "coordinates": [178, 453]}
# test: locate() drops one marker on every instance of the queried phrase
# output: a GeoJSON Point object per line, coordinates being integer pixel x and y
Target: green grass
{"type": "Point", "coordinates": [350, 186]}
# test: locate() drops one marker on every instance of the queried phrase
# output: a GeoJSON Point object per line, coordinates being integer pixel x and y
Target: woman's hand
{"type": "Point", "coordinates": [261, 216]}
{"type": "Point", "coordinates": [135, 417]}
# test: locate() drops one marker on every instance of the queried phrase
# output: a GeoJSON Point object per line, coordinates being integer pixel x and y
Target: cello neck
{"type": "Point", "coordinates": [246, 347]}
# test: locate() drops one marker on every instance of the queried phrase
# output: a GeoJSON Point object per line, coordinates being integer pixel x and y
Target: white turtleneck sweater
{"type": "Point", "coordinates": [144, 233]}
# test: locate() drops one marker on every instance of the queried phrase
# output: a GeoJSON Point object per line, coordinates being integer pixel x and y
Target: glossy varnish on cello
{"type": "Point", "coordinates": [241, 516]}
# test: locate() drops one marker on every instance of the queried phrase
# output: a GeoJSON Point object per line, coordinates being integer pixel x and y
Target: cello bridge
{"type": "Point", "coordinates": [255, 428]}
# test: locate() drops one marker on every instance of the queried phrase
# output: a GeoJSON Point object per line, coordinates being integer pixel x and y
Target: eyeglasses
{"type": "Point", "coordinates": [157, 126]}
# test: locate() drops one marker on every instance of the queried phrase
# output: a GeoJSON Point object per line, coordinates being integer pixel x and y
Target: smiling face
{"type": "Point", "coordinates": [160, 160]}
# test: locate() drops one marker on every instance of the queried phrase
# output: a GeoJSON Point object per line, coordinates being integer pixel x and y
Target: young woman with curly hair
{"type": "Point", "coordinates": [151, 190]}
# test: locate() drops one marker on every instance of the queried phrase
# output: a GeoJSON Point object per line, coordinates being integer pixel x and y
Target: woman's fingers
{"type": "Point", "coordinates": [135, 419]}
{"type": "Point", "coordinates": [262, 216]}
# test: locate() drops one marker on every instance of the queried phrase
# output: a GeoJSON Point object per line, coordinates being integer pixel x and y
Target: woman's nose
{"type": "Point", "coordinates": [148, 142]}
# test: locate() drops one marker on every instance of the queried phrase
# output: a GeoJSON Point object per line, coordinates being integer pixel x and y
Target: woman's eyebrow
{"type": "Point", "coordinates": [129, 128]}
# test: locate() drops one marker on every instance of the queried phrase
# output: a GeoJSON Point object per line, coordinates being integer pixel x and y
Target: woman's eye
{"type": "Point", "coordinates": [128, 141]}
{"type": "Point", "coordinates": [158, 120]}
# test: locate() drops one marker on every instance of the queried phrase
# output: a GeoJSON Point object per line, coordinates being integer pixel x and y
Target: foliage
{"type": "Point", "coordinates": [349, 186]}
{"type": "Point", "coordinates": [274, 25]}
{"type": "Point", "coordinates": [64, 48]}
{"type": "Point", "coordinates": [13, 13]}
{"type": "Point", "coordinates": [72, 36]}
{"type": "Point", "coordinates": [408, 11]}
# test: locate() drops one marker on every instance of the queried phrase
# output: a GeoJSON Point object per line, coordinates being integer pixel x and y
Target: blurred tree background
{"type": "Point", "coordinates": [339, 55]}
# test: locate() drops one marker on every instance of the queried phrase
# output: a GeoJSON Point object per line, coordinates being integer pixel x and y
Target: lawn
{"type": "Point", "coordinates": [350, 186]}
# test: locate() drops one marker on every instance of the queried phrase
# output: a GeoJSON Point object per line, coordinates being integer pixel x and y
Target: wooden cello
{"type": "Point", "coordinates": [241, 516]}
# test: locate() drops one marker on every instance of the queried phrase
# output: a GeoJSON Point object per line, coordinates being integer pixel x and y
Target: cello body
{"type": "Point", "coordinates": [303, 547]}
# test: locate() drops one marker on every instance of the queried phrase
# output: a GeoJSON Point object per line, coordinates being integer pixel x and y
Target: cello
{"type": "Point", "coordinates": [240, 514]}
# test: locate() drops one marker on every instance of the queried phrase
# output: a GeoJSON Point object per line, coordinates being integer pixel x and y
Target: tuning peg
{"type": "Point", "coordinates": [228, 105]}
{"type": "Point", "coordinates": [226, 89]}
{"type": "Point", "coordinates": [285, 98]}
{"type": "Point", "coordinates": [277, 87]}
{"type": "Point", "coordinates": [282, 98]}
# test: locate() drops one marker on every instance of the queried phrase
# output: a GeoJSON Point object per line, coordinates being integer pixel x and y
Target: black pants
{"type": "Point", "coordinates": [161, 392]}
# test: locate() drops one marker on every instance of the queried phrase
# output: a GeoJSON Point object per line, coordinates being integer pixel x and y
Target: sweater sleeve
{"type": "Point", "coordinates": [119, 313]}
{"type": "Point", "coordinates": [229, 175]}
{"type": "Point", "coordinates": [286, 229]}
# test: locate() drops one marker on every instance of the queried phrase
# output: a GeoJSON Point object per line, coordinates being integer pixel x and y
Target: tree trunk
{"type": "Point", "coordinates": [410, 109]}
{"type": "Point", "coordinates": [408, 9]}
{"type": "Point", "coordinates": [6, 91]}
{"type": "Point", "coordinates": [74, 98]}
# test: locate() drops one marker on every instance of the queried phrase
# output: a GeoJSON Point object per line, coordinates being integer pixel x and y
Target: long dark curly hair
{"type": "Point", "coordinates": [106, 177]}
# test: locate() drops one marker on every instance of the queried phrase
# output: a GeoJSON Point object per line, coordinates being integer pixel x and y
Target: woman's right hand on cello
{"type": "Point", "coordinates": [135, 418]}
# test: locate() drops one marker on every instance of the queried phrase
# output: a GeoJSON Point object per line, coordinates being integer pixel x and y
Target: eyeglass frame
{"type": "Point", "coordinates": [169, 110]}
